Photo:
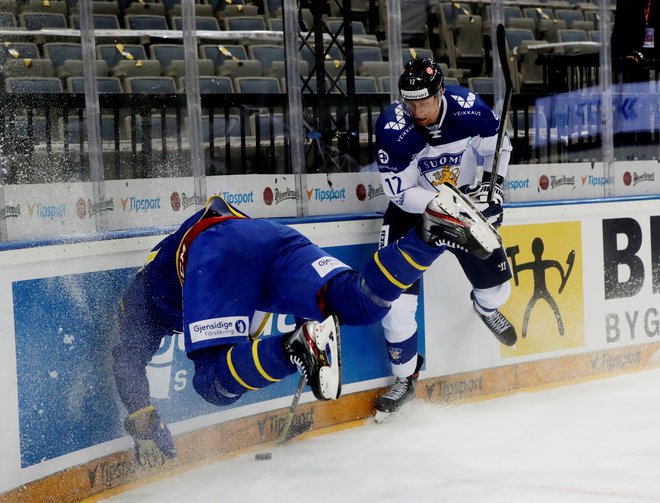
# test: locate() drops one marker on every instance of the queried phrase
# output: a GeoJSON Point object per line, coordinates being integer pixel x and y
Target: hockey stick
{"type": "Point", "coordinates": [284, 434]}
{"type": "Point", "coordinates": [508, 90]}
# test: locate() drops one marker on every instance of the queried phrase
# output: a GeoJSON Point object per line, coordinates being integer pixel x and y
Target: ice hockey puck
{"type": "Point", "coordinates": [263, 456]}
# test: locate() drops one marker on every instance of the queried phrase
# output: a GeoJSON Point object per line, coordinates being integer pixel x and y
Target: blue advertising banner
{"type": "Point", "coordinates": [64, 329]}
{"type": "Point", "coordinates": [636, 107]}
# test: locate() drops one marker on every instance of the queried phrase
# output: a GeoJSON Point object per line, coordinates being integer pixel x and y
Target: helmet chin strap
{"type": "Point", "coordinates": [438, 112]}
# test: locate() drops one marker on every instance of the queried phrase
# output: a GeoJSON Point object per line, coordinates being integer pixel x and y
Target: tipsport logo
{"type": "Point", "coordinates": [328, 195]}
{"type": "Point", "coordinates": [546, 305]}
{"type": "Point", "coordinates": [140, 205]}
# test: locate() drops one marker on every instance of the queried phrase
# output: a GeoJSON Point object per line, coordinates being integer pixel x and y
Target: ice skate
{"type": "Point", "coordinates": [502, 329]}
{"type": "Point", "coordinates": [450, 219]}
{"type": "Point", "coordinates": [399, 394]}
{"type": "Point", "coordinates": [314, 348]}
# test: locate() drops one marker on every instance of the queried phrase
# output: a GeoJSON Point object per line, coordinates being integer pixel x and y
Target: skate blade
{"type": "Point", "coordinates": [329, 335]}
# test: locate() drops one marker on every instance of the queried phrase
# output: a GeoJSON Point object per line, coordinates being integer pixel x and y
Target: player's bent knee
{"type": "Point", "coordinates": [210, 388]}
{"type": "Point", "coordinates": [210, 378]}
{"type": "Point", "coordinates": [494, 297]}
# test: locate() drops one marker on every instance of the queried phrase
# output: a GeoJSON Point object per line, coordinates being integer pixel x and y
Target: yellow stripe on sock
{"type": "Point", "coordinates": [257, 363]}
{"type": "Point", "coordinates": [233, 372]}
{"type": "Point", "coordinates": [410, 260]}
{"type": "Point", "coordinates": [387, 274]}
{"type": "Point", "coordinates": [262, 326]}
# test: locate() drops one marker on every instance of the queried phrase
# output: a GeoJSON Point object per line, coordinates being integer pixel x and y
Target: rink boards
{"type": "Point", "coordinates": [586, 280]}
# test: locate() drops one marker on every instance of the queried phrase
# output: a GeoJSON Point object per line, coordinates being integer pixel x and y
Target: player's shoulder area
{"type": "Point", "coordinates": [462, 101]}
{"type": "Point", "coordinates": [393, 124]}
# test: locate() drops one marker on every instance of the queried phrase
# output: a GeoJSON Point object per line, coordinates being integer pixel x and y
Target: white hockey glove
{"type": "Point", "coordinates": [491, 210]}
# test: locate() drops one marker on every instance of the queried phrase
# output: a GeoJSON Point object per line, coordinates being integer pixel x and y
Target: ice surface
{"type": "Point", "coordinates": [595, 442]}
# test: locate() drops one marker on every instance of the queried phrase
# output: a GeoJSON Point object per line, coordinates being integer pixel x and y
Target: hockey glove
{"type": "Point", "coordinates": [150, 434]}
{"type": "Point", "coordinates": [491, 210]}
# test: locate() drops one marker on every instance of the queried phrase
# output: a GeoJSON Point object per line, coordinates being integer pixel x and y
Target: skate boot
{"type": "Point", "coordinates": [450, 219]}
{"type": "Point", "coordinates": [497, 323]}
{"type": "Point", "coordinates": [314, 349]}
{"type": "Point", "coordinates": [399, 394]}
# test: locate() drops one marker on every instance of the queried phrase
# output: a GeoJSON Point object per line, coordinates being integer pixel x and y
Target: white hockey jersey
{"type": "Point", "coordinates": [414, 160]}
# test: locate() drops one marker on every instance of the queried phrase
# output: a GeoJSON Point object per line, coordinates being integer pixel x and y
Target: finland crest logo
{"type": "Point", "coordinates": [467, 102]}
{"type": "Point", "coordinates": [400, 121]}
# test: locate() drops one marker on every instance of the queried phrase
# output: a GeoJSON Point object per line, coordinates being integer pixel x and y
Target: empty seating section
{"type": "Point", "coordinates": [155, 64]}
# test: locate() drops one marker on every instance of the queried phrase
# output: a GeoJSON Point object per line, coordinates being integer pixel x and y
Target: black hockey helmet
{"type": "Point", "coordinates": [420, 79]}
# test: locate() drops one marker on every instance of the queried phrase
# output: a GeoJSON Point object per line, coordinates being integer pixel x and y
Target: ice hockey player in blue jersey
{"type": "Point", "coordinates": [218, 275]}
{"type": "Point", "coordinates": [434, 135]}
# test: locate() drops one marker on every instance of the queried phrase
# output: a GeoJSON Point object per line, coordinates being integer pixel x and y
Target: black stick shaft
{"type": "Point", "coordinates": [284, 434]}
{"type": "Point", "coordinates": [500, 37]}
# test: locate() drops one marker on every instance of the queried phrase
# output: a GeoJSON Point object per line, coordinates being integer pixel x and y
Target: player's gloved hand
{"type": "Point", "coordinates": [151, 435]}
{"type": "Point", "coordinates": [491, 210]}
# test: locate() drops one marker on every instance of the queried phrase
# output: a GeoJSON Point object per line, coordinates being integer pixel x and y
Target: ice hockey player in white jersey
{"type": "Point", "coordinates": [434, 135]}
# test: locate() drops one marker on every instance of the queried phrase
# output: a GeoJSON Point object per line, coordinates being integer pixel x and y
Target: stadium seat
{"type": "Point", "coordinates": [30, 85]}
{"type": "Point", "coordinates": [365, 53]}
{"type": "Point", "coordinates": [273, 8]}
{"type": "Point", "coordinates": [266, 126]}
{"type": "Point", "coordinates": [202, 23]}
{"type": "Point", "coordinates": [233, 69]}
{"type": "Point", "coordinates": [41, 20]}
{"type": "Point", "coordinates": [101, 21]}
{"type": "Point", "coordinates": [144, 7]}
{"type": "Point", "coordinates": [7, 20]}
{"type": "Point", "coordinates": [139, 68]}
{"type": "Point", "coordinates": [75, 67]}
{"type": "Point", "coordinates": [375, 69]}
{"type": "Point", "coordinates": [219, 53]}
{"type": "Point", "coordinates": [524, 70]}
{"type": "Point", "coordinates": [113, 54]}
{"type": "Point", "coordinates": [266, 55]}
{"type": "Point", "coordinates": [384, 84]}
{"type": "Point", "coordinates": [150, 85]}
{"type": "Point", "coordinates": [173, 8]}
{"type": "Point", "coordinates": [177, 68]}
{"type": "Point", "coordinates": [276, 24]}
{"type": "Point", "coordinates": [481, 85]}
{"type": "Point", "coordinates": [571, 16]}
{"type": "Point", "coordinates": [27, 68]}
{"type": "Point", "coordinates": [575, 36]}
{"type": "Point", "coordinates": [257, 85]}
{"type": "Point", "coordinates": [245, 23]}
{"type": "Point", "coordinates": [105, 84]}
{"type": "Point", "coordinates": [363, 85]}
{"type": "Point", "coordinates": [22, 50]}
{"type": "Point", "coordinates": [145, 22]}
{"type": "Point", "coordinates": [59, 52]}
{"type": "Point", "coordinates": [278, 69]}
{"type": "Point", "coordinates": [102, 7]}
{"type": "Point", "coordinates": [451, 81]}
{"type": "Point", "coordinates": [34, 6]}
{"type": "Point", "coordinates": [227, 10]}
{"type": "Point", "coordinates": [211, 85]}
{"type": "Point", "coordinates": [165, 53]}
{"type": "Point", "coordinates": [221, 127]}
